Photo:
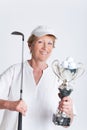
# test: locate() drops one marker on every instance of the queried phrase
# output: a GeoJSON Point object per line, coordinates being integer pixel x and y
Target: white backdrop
{"type": "Point", "coordinates": [68, 18]}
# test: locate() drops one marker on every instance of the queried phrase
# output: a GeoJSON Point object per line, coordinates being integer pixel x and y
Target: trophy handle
{"type": "Point", "coordinates": [81, 68]}
{"type": "Point", "coordinates": [56, 70]}
{"type": "Point", "coordinates": [80, 71]}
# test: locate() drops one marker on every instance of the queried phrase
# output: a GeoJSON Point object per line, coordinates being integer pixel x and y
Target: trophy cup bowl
{"type": "Point", "coordinates": [67, 71]}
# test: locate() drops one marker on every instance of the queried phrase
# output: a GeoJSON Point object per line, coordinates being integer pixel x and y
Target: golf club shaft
{"type": "Point", "coordinates": [21, 89]}
{"type": "Point", "coordinates": [21, 86]}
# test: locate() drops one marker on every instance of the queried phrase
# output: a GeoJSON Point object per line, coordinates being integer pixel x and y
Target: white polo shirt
{"type": "Point", "coordinates": [41, 99]}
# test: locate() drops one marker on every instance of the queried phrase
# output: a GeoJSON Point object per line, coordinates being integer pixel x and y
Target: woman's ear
{"type": "Point", "coordinates": [30, 48]}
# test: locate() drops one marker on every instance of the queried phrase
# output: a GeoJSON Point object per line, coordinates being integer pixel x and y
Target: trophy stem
{"type": "Point", "coordinates": [60, 118]}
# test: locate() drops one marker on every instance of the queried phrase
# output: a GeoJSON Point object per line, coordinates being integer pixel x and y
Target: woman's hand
{"type": "Point", "coordinates": [19, 106]}
{"type": "Point", "coordinates": [66, 105]}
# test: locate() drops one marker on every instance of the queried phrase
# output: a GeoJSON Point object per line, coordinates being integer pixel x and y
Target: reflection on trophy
{"type": "Point", "coordinates": [66, 72]}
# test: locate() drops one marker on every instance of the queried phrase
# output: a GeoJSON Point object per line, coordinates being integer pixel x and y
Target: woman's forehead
{"type": "Point", "coordinates": [46, 37]}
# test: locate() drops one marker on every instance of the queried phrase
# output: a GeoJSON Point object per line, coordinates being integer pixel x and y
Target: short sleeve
{"type": "Point", "coordinates": [5, 82]}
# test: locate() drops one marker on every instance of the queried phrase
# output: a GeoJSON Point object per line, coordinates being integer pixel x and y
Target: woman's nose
{"type": "Point", "coordinates": [45, 45]}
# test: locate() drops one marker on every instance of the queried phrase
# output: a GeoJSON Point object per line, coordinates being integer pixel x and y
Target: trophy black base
{"type": "Point", "coordinates": [63, 121]}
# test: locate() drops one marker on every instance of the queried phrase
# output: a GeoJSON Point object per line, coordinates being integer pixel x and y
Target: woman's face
{"type": "Point", "coordinates": [42, 48]}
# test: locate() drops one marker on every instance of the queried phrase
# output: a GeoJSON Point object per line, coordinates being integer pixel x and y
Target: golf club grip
{"type": "Point", "coordinates": [20, 121]}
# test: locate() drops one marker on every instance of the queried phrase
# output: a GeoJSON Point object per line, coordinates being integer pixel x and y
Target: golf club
{"type": "Point", "coordinates": [21, 87]}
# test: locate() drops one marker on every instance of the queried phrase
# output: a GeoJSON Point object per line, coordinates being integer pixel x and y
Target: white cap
{"type": "Point", "coordinates": [42, 31]}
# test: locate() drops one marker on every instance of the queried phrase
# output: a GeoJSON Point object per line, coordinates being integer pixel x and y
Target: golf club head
{"type": "Point", "coordinates": [18, 33]}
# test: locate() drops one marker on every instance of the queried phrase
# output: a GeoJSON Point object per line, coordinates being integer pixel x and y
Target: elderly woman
{"type": "Point", "coordinates": [40, 93]}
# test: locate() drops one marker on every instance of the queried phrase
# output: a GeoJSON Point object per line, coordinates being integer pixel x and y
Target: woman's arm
{"type": "Point", "coordinates": [18, 106]}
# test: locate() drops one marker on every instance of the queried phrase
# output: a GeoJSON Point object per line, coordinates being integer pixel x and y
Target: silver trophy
{"type": "Point", "coordinates": [66, 72]}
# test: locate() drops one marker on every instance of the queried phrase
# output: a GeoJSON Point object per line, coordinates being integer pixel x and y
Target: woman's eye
{"type": "Point", "coordinates": [50, 43]}
{"type": "Point", "coordinates": [40, 41]}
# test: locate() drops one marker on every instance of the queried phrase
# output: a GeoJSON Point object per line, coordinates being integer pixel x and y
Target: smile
{"type": "Point", "coordinates": [44, 53]}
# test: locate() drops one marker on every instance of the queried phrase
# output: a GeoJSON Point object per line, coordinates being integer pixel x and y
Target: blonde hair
{"type": "Point", "coordinates": [33, 38]}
